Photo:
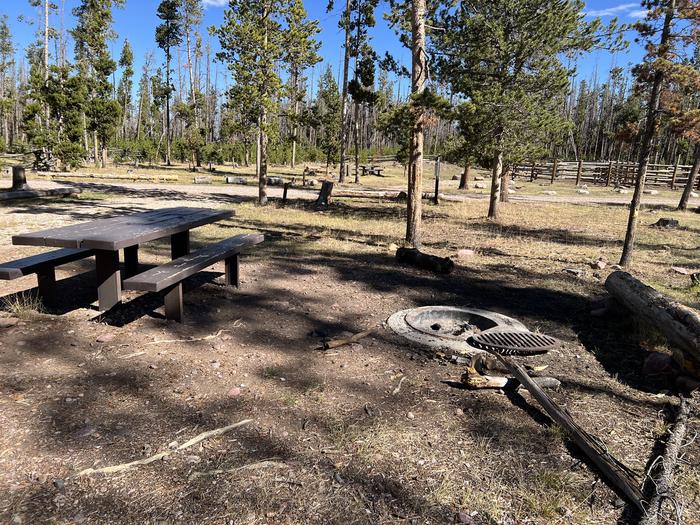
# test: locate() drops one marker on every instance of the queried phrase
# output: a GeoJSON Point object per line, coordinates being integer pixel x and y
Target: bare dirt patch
{"type": "Point", "coordinates": [330, 441]}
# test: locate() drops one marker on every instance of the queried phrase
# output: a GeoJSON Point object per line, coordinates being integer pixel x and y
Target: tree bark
{"type": "Point", "coordinates": [344, 98]}
{"type": "Point", "coordinates": [646, 143]}
{"type": "Point", "coordinates": [168, 140]}
{"type": "Point", "coordinates": [692, 177]}
{"type": "Point", "coordinates": [415, 169]}
{"type": "Point", "coordinates": [464, 179]}
{"type": "Point", "coordinates": [495, 185]}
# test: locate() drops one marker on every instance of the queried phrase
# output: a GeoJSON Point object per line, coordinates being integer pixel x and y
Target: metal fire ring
{"type": "Point", "coordinates": [448, 328]}
{"type": "Point", "coordinates": [514, 342]}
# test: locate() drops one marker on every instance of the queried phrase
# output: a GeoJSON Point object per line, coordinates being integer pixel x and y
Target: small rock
{"type": "Point", "coordinates": [392, 247]}
{"type": "Point", "coordinates": [651, 192]}
{"type": "Point", "coordinates": [193, 459]}
{"type": "Point", "coordinates": [464, 518]}
{"type": "Point", "coordinates": [85, 431]}
{"type": "Point", "coordinates": [574, 271]}
{"type": "Point", "coordinates": [465, 253]}
{"type": "Point", "coordinates": [600, 264]}
{"type": "Point", "coordinates": [583, 192]}
{"type": "Point", "coordinates": [411, 415]}
{"type": "Point", "coordinates": [153, 367]}
{"type": "Point", "coordinates": [459, 412]}
{"type": "Point", "coordinates": [478, 177]}
{"type": "Point", "coordinates": [275, 181]}
{"type": "Point", "coordinates": [7, 322]}
{"type": "Point", "coordinates": [549, 192]}
{"type": "Point", "coordinates": [480, 186]}
{"type": "Point", "coordinates": [215, 364]}
{"type": "Point", "coordinates": [618, 503]}
{"type": "Point", "coordinates": [59, 484]}
{"type": "Point", "coordinates": [622, 191]}
{"type": "Point", "coordinates": [105, 338]}
{"type": "Point", "coordinates": [234, 392]}
{"type": "Point", "coordinates": [694, 195]}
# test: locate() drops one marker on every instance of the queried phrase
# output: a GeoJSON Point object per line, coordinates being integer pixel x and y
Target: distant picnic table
{"type": "Point", "coordinates": [103, 238]}
{"type": "Point", "coordinates": [371, 170]}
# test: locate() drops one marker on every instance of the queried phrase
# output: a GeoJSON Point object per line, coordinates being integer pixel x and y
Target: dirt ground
{"type": "Point", "coordinates": [375, 432]}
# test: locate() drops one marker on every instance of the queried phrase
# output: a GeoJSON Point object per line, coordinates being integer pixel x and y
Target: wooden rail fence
{"type": "Point", "coordinates": [606, 173]}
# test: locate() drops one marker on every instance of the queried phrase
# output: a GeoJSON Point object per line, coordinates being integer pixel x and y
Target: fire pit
{"type": "Point", "coordinates": [449, 329]}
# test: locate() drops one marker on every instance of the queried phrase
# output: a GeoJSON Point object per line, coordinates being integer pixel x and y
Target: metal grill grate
{"type": "Point", "coordinates": [513, 343]}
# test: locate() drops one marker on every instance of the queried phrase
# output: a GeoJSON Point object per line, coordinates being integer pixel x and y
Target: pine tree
{"type": "Point", "coordinates": [301, 54]}
{"type": "Point", "coordinates": [669, 31]}
{"type": "Point", "coordinates": [508, 62]}
{"type": "Point", "coordinates": [91, 34]}
{"type": "Point", "coordinates": [253, 42]}
{"type": "Point", "coordinates": [126, 62]}
{"type": "Point", "coordinates": [168, 36]}
{"type": "Point", "coordinates": [6, 62]}
{"type": "Point", "coordinates": [327, 115]}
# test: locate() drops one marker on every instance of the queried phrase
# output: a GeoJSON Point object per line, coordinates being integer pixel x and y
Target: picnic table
{"type": "Point", "coordinates": [105, 237]}
{"type": "Point", "coordinates": [372, 170]}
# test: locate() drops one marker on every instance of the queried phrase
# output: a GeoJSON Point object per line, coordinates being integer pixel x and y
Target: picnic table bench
{"type": "Point", "coordinates": [103, 238]}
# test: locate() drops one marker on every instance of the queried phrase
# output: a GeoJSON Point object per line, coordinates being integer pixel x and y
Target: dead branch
{"type": "Point", "coordinates": [473, 380]}
{"type": "Point", "coordinates": [661, 473]}
{"type": "Point", "coordinates": [398, 387]}
{"type": "Point", "coordinates": [190, 339]}
{"type": "Point", "coordinates": [335, 343]}
{"type": "Point", "coordinates": [197, 439]}
{"type": "Point", "coordinates": [614, 471]}
{"type": "Point", "coordinates": [250, 466]}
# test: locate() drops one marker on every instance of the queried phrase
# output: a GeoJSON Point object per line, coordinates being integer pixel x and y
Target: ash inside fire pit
{"type": "Point", "coordinates": [448, 328]}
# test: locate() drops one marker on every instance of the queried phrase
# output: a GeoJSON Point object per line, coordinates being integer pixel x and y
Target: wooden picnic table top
{"type": "Point", "coordinates": [125, 230]}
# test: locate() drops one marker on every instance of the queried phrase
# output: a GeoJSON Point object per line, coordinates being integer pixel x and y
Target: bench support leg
{"type": "Point", "coordinates": [232, 271]}
{"type": "Point", "coordinates": [109, 284]}
{"type": "Point", "coordinates": [131, 260]}
{"type": "Point", "coordinates": [174, 303]}
{"type": "Point", "coordinates": [179, 244]}
{"type": "Point", "coordinates": [47, 284]}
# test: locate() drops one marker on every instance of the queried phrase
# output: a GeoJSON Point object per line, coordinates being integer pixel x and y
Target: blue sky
{"type": "Point", "coordinates": [137, 22]}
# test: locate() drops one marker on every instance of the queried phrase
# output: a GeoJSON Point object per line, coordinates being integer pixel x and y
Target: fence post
{"type": "Point", "coordinates": [607, 183]}
{"type": "Point", "coordinates": [578, 172]}
{"type": "Point", "coordinates": [554, 170]}
{"type": "Point", "coordinates": [436, 198]}
{"type": "Point", "coordinates": [675, 173]}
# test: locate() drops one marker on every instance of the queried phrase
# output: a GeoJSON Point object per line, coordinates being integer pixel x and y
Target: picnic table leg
{"type": "Point", "coordinates": [180, 244]}
{"type": "Point", "coordinates": [109, 284]}
{"type": "Point", "coordinates": [232, 271]}
{"type": "Point", "coordinates": [173, 303]}
{"type": "Point", "coordinates": [131, 260]}
{"type": "Point", "coordinates": [46, 278]}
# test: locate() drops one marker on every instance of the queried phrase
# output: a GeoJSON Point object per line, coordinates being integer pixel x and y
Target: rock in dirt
{"type": "Point", "coordinates": [651, 192]}
{"type": "Point", "coordinates": [193, 459]}
{"type": "Point", "coordinates": [666, 223]}
{"type": "Point", "coordinates": [583, 192]}
{"type": "Point", "coordinates": [480, 186]}
{"type": "Point", "coordinates": [600, 264]}
{"type": "Point", "coordinates": [59, 484]}
{"type": "Point", "coordinates": [411, 415]}
{"type": "Point", "coordinates": [7, 322]}
{"type": "Point", "coordinates": [464, 518]}
{"type": "Point", "coordinates": [234, 392]}
{"type": "Point", "coordinates": [660, 365]}
{"type": "Point", "coordinates": [465, 253]}
{"type": "Point", "coordinates": [549, 192]}
{"type": "Point", "coordinates": [275, 181]}
{"type": "Point", "coordinates": [574, 271]}
{"type": "Point", "coordinates": [105, 338]}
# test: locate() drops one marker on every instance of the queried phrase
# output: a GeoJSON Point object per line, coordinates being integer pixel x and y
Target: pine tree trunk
{"type": "Point", "coordinates": [95, 149]}
{"type": "Point", "coordinates": [168, 136]}
{"type": "Point", "coordinates": [262, 176]}
{"type": "Point", "coordinates": [344, 99]}
{"type": "Point", "coordinates": [46, 57]}
{"type": "Point", "coordinates": [505, 184]}
{"type": "Point", "coordinates": [464, 179]}
{"type": "Point", "coordinates": [646, 144]}
{"type": "Point", "coordinates": [692, 177]}
{"type": "Point", "coordinates": [415, 170]}
{"type": "Point", "coordinates": [495, 185]}
{"type": "Point", "coordinates": [357, 142]}
{"type": "Point", "coordinates": [295, 126]}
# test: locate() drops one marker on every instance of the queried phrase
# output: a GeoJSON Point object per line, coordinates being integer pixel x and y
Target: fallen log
{"type": "Point", "coordinates": [677, 322]}
{"type": "Point", "coordinates": [613, 470]}
{"type": "Point", "coordinates": [661, 472]}
{"type": "Point", "coordinates": [425, 261]}
{"type": "Point", "coordinates": [473, 380]}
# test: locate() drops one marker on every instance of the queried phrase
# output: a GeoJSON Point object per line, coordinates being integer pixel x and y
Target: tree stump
{"type": "Point", "coordinates": [19, 179]}
{"type": "Point", "coordinates": [325, 195]}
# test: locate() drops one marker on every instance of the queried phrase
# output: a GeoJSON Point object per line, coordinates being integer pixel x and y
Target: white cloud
{"type": "Point", "coordinates": [215, 3]}
{"type": "Point", "coordinates": [638, 13]}
{"type": "Point", "coordinates": [608, 11]}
